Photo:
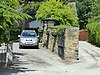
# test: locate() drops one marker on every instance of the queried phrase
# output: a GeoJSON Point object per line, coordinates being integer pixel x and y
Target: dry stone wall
{"type": "Point", "coordinates": [66, 46]}
{"type": "Point", "coordinates": [71, 47]}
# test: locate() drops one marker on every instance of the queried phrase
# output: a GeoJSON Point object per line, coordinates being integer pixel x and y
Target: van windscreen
{"type": "Point", "coordinates": [29, 34]}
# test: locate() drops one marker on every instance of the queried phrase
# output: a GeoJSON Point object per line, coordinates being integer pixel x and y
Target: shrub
{"type": "Point", "coordinates": [94, 33]}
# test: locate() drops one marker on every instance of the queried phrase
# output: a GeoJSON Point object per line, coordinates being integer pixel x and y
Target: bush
{"type": "Point", "coordinates": [58, 30]}
{"type": "Point", "coordinates": [14, 33]}
{"type": "Point", "coordinates": [94, 33]}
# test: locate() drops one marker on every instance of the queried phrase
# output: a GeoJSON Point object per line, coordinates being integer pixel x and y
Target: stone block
{"type": "Point", "coordinates": [71, 42]}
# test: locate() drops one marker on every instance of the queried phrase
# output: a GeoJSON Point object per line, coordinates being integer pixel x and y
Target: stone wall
{"type": "Point", "coordinates": [44, 39]}
{"type": "Point", "coordinates": [66, 46]}
{"type": "Point", "coordinates": [52, 44]}
{"type": "Point", "coordinates": [71, 46]}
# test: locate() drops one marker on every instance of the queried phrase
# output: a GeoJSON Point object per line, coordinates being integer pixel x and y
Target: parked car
{"type": "Point", "coordinates": [28, 38]}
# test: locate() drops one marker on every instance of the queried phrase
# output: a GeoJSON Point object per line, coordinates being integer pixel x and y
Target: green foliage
{"type": "Point", "coordinates": [30, 7]}
{"type": "Point", "coordinates": [14, 32]}
{"type": "Point", "coordinates": [40, 30]}
{"type": "Point", "coordinates": [94, 33]}
{"type": "Point", "coordinates": [54, 32]}
{"type": "Point", "coordinates": [61, 30]}
{"type": "Point", "coordinates": [21, 1]}
{"type": "Point", "coordinates": [7, 16]}
{"type": "Point", "coordinates": [94, 23]}
{"type": "Point", "coordinates": [58, 30]}
{"type": "Point", "coordinates": [56, 10]}
{"type": "Point", "coordinates": [28, 1]}
{"type": "Point", "coordinates": [11, 3]}
{"type": "Point", "coordinates": [67, 1]}
{"type": "Point", "coordinates": [95, 13]}
{"type": "Point", "coordinates": [84, 8]}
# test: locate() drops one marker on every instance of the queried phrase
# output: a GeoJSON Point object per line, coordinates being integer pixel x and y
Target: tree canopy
{"type": "Point", "coordinates": [7, 17]}
{"type": "Point", "coordinates": [84, 8]}
{"type": "Point", "coordinates": [30, 7]}
{"type": "Point", "coordinates": [11, 3]}
{"type": "Point", "coordinates": [94, 23]}
{"type": "Point", "coordinates": [67, 1]}
{"type": "Point", "coordinates": [95, 11]}
{"type": "Point", "coordinates": [56, 10]}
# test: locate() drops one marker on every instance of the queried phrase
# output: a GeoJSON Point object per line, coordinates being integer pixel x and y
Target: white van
{"type": "Point", "coordinates": [28, 38]}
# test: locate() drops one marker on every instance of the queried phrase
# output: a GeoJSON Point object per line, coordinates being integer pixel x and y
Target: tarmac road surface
{"type": "Point", "coordinates": [30, 61]}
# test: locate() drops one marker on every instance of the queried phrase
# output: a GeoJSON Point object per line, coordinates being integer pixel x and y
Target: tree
{"type": "Point", "coordinates": [56, 10]}
{"type": "Point", "coordinates": [67, 1]}
{"type": "Point", "coordinates": [93, 26]}
{"type": "Point", "coordinates": [11, 3]}
{"type": "Point", "coordinates": [30, 7]}
{"type": "Point", "coordinates": [84, 7]}
{"type": "Point", "coordinates": [7, 16]}
{"type": "Point", "coordinates": [27, 1]}
{"type": "Point", "coordinates": [95, 11]}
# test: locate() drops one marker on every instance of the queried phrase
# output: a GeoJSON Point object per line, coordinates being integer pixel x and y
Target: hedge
{"type": "Point", "coordinates": [94, 33]}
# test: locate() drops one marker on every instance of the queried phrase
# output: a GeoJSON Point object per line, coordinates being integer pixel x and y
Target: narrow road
{"type": "Point", "coordinates": [30, 61]}
{"type": "Point", "coordinates": [93, 54]}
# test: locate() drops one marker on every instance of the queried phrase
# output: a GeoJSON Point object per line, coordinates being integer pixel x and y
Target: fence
{"type": "Point", "coordinates": [83, 35]}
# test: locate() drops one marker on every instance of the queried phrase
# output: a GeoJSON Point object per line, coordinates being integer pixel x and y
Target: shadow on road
{"type": "Point", "coordinates": [10, 70]}
{"type": "Point", "coordinates": [16, 66]}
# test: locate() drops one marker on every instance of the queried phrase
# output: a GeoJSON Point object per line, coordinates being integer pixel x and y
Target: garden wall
{"type": "Point", "coordinates": [66, 45]}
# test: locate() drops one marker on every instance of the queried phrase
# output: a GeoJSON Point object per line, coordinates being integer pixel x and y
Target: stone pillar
{"type": "Point", "coordinates": [51, 41]}
{"type": "Point", "coordinates": [52, 45]}
{"type": "Point", "coordinates": [44, 40]}
{"type": "Point", "coordinates": [71, 44]}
